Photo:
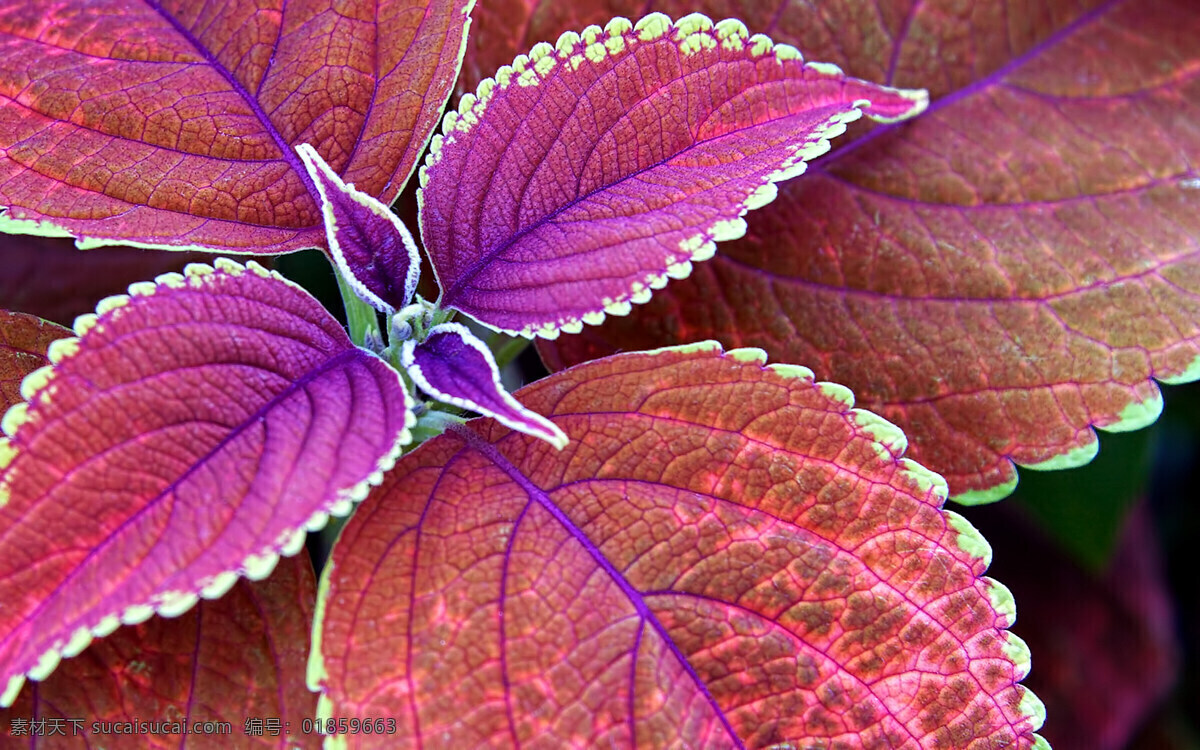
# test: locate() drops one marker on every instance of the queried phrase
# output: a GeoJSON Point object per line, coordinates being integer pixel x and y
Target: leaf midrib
{"type": "Point", "coordinates": [288, 155]}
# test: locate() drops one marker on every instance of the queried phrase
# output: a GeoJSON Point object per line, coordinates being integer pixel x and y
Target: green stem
{"type": "Point", "coordinates": [360, 317]}
{"type": "Point", "coordinates": [433, 423]}
{"type": "Point", "coordinates": [505, 348]}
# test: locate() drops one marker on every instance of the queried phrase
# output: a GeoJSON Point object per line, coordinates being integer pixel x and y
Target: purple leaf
{"type": "Point", "coordinates": [369, 243]}
{"type": "Point", "coordinates": [587, 174]}
{"type": "Point", "coordinates": [455, 367]}
{"type": "Point", "coordinates": [192, 433]}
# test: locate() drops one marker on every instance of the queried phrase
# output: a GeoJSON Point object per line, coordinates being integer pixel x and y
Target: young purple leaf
{"type": "Point", "coordinates": [726, 555]}
{"type": "Point", "coordinates": [588, 173]}
{"type": "Point", "coordinates": [193, 432]}
{"type": "Point", "coordinates": [369, 243]}
{"type": "Point", "coordinates": [454, 366]}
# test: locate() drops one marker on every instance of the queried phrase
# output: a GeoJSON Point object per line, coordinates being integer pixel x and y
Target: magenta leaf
{"type": "Point", "coordinates": [173, 122]}
{"type": "Point", "coordinates": [999, 276]}
{"type": "Point", "coordinates": [588, 173]}
{"type": "Point", "coordinates": [369, 243]}
{"type": "Point", "coordinates": [240, 658]}
{"type": "Point", "coordinates": [455, 367]}
{"type": "Point", "coordinates": [724, 555]}
{"type": "Point", "coordinates": [191, 434]}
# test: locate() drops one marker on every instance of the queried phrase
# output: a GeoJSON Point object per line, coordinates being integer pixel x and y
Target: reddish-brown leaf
{"type": "Point", "coordinates": [239, 658]}
{"type": "Point", "coordinates": [724, 555]}
{"type": "Point", "coordinates": [174, 122]}
{"type": "Point", "coordinates": [23, 343]}
{"type": "Point", "coordinates": [1002, 274]}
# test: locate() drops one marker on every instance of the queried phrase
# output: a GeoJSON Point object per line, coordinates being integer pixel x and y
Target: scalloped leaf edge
{"type": "Point", "coordinates": [967, 538]}
{"type": "Point", "coordinates": [692, 33]}
{"type": "Point", "coordinates": [36, 387]}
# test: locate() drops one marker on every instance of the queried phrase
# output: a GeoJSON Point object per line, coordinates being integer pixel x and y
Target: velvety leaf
{"type": "Point", "coordinates": [240, 657]}
{"type": "Point", "coordinates": [173, 123]}
{"type": "Point", "coordinates": [50, 278]}
{"type": "Point", "coordinates": [724, 555]}
{"type": "Point", "coordinates": [23, 342]}
{"type": "Point", "coordinates": [192, 433]}
{"type": "Point", "coordinates": [455, 367]}
{"type": "Point", "coordinates": [588, 173]}
{"type": "Point", "coordinates": [1000, 275]}
{"type": "Point", "coordinates": [1105, 647]}
{"type": "Point", "coordinates": [369, 243]}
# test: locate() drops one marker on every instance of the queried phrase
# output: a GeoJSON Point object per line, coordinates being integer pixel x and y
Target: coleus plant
{"type": "Point", "coordinates": [679, 547]}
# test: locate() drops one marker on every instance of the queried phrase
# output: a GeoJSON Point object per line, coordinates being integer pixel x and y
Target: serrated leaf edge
{"type": "Point", "coordinates": [692, 33]}
{"type": "Point", "coordinates": [967, 537]}
{"type": "Point", "coordinates": [36, 387]}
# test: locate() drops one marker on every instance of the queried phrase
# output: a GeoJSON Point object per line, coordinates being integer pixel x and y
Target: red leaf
{"type": "Point", "coordinates": [587, 173]}
{"type": "Point", "coordinates": [173, 123]}
{"type": "Point", "coordinates": [238, 658]}
{"type": "Point", "coordinates": [1003, 273]}
{"type": "Point", "coordinates": [191, 434]}
{"type": "Point", "coordinates": [23, 342]}
{"type": "Point", "coordinates": [725, 554]}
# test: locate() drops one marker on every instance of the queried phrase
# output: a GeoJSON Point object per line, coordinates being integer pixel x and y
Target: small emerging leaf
{"type": "Point", "coordinates": [588, 173]}
{"type": "Point", "coordinates": [724, 555]}
{"type": "Point", "coordinates": [191, 434]}
{"type": "Point", "coordinates": [232, 660]}
{"type": "Point", "coordinates": [369, 243]}
{"type": "Point", "coordinates": [455, 367]}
